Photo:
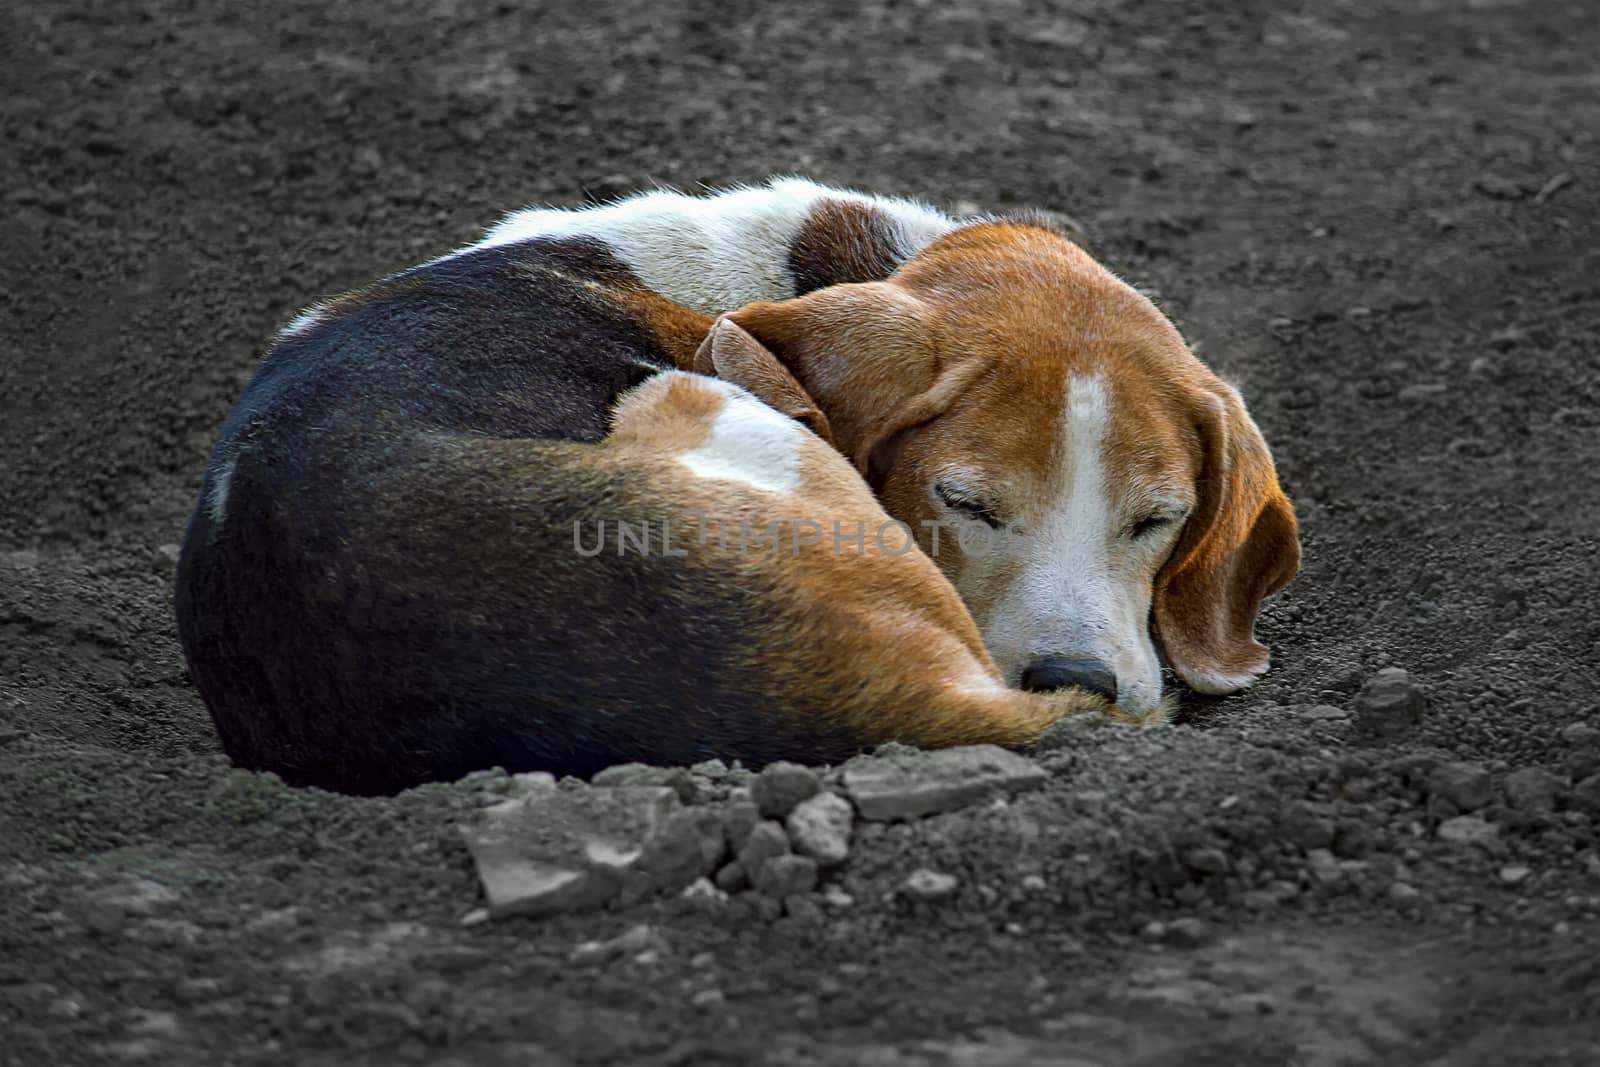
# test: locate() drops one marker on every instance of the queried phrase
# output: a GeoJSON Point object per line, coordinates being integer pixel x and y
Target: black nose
{"type": "Point", "coordinates": [1058, 672]}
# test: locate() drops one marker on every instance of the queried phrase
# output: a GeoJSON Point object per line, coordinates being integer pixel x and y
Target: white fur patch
{"type": "Point", "coordinates": [711, 253]}
{"type": "Point", "coordinates": [750, 443]}
{"type": "Point", "coordinates": [719, 252]}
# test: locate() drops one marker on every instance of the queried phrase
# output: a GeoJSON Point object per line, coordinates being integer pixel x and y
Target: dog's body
{"type": "Point", "coordinates": [386, 580]}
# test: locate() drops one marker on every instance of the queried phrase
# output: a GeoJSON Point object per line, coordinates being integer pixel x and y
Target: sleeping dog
{"type": "Point", "coordinates": [387, 579]}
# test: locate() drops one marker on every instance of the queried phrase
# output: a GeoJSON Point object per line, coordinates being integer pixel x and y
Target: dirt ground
{"type": "Point", "coordinates": [1378, 218]}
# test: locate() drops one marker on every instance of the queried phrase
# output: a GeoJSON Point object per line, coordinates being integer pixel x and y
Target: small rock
{"type": "Point", "coordinates": [1390, 703]}
{"type": "Point", "coordinates": [713, 769]}
{"type": "Point", "coordinates": [687, 845]}
{"type": "Point", "coordinates": [783, 876]}
{"type": "Point", "coordinates": [1586, 795]}
{"type": "Point", "coordinates": [1580, 734]}
{"type": "Point", "coordinates": [1323, 713]}
{"type": "Point", "coordinates": [475, 917]}
{"type": "Point", "coordinates": [624, 775]}
{"type": "Point", "coordinates": [928, 885]}
{"type": "Point", "coordinates": [910, 784]}
{"type": "Point", "coordinates": [1188, 932]}
{"type": "Point", "coordinates": [731, 877]}
{"type": "Point", "coordinates": [1324, 866]}
{"type": "Point", "coordinates": [638, 938]}
{"type": "Point", "coordinates": [820, 827]}
{"type": "Point", "coordinates": [780, 786]}
{"type": "Point", "coordinates": [1206, 860]}
{"type": "Point", "coordinates": [738, 819]}
{"type": "Point", "coordinates": [1514, 875]}
{"type": "Point", "coordinates": [708, 999]}
{"type": "Point", "coordinates": [165, 560]}
{"type": "Point", "coordinates": [566, 850]}
{"type": "Point", "coordinates": [1467, 830]}
{"type": "Point", "coordinates": [1466, 786]}
{"type": "Point", "coordinates": [1533, 789]}
{"type": "Point", "coordinates": [803, 909]}
{"type": "Point", "coordinates": [1403, 892]}
{"type": "Point", "coordinates": [1153, 931]}
{"type": "Point", "coordinates": [835, 897]}
{"type": "Point", "coordinates": [766, 842]}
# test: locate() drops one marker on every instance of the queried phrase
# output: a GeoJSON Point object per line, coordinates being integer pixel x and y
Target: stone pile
{"type": "Point", "coordinates": [711, 831]}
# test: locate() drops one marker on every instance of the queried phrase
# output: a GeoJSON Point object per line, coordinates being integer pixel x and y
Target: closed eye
{"type": "Point", "coordinates": [1148, 527]}
{"type": "Point", "coordinates": [958, 499]}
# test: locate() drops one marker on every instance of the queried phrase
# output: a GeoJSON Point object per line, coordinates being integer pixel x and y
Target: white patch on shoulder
{"type": "Point", "coordinates": [750, 443]}
{"type": "Point", "coordinates": [719, 252]}
{"type": "Point", "coordinates": [217, 499]}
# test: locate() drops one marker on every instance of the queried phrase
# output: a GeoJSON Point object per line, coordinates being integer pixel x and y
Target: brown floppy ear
{"type": "Point", "coordinates": [867, 352]}
{"type": "Point", "coordinates": [1240, 545]}
{"type": "Point", "coordinates": [729, 353]}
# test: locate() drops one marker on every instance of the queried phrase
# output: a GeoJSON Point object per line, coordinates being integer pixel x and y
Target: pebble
{"type": "Point", "coordinates": [738, 819]}
{"type": "Point", "coordinates": [835, 897]}
{"type": "Point", "coordinates": [165, 560]}
{"type": "Point", "coordinates": [731, 877]}
{"type": "Point", "coordinates": [803, 909]}
{"type": "Point", "coordinates": [687, 845]}
{"type": "Point", "coordinates": [1580, 734]}
{"type": "Point", "coordinates": [1514, 875]}
{"type": "Point", "coordinates": [1206, 860]}
{"type": "Point", "coordinates": [1188, 932]}
{"type": "Point", "coordinates": [707, 999]}
{"type": "Point", "coordinates": [930, 885]}
{"type": "Point", "coordinates": [1466, 786]}
{"type": "Point", "coordinates": [784, 876]}
{"type": "Point", "coordinates": [1533, 789]}
{"type": "Point", "coordinates": [782, 785]}
{"type": "Point", "coordinates": [1586, 795]}
{"type": "Point", "coordinates": [1324, 866]}
{"type": "Point", "coordinates": [636, 939]}
{"type": "Point", "coordinates": [819, 827]}
{"type": "Point", "coordinates": [1323, 713]}
{"type": "Point", "coordinates": [1403, 892]}
{"type": "Point", "coordinates": [1390, 703]}
{"type": "Point", "coordinates": [911, 784]}
{"type": "Point", "coordinates": [568, 850]}
{"type": "Point", "coordinates": [766, 842]}
{"type": "Point", "coordinates": [1467, 830]}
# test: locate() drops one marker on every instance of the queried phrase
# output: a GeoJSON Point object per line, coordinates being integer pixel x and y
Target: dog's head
{"type": "Point", "coordinates": [1088, 486]}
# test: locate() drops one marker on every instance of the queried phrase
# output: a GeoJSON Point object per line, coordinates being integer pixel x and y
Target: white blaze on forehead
{"type": "Point", "coordinates": [750, 443]}
{"type": "Point", "coordinates": [1086, 516]}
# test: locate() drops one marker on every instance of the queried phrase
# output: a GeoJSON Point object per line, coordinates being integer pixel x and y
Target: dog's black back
{"type": "Point", "coordinates": [379, 586]}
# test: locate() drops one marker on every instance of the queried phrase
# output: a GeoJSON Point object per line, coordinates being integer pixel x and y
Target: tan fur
{"type": "Point", "coordinates": [887, 643]}
{"type": "Point", "coordinates": [962, 359]}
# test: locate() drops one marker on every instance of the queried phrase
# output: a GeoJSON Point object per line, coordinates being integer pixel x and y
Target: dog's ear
{"type": "Point", "coordinates": [868, 354]}
{"type": "Point", "coordinates": [1240, 545]}
{"type": "Point", "coordinates": [729, 353]}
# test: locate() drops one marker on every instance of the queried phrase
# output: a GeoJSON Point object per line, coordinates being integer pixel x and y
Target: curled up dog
{"type": "Point", "coordinates": [399, 569]}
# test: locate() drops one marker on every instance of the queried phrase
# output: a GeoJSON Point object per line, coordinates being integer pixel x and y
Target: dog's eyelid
{"type": "Point", "coordinates": [1158, 516]}
{"type": "Point", "coordinates": [960, 497]}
